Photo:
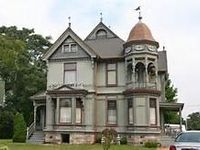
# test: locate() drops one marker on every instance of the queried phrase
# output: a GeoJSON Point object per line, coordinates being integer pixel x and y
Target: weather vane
{"type": "Point", "coordinates": [101, 18]}
{"type": "Point", "coordinates": [69, 18]}
{"type": "Point", "coordinates": [139, 9]}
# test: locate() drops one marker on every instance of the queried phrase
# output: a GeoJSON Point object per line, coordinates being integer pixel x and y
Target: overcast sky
{"type": "Point", "coordinates": [173, 23]}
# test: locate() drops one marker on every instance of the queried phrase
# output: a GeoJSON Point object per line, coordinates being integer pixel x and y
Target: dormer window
{"type": "Point", "coordinates": [100, 34]}
{"type": "Point", "coordinates": [68, 48]}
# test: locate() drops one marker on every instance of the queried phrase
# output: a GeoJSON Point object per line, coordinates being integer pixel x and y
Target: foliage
{"type": "Point", "coordinates": [109, 135]}
{"type": "Point", "coordinates": [22, 68]}
{"type": "Point", "coordinates": [98, 138]}
{"type": "Point", "coordinates": [19, 128]}
{"type": "Point", "coordinates": [193, 123]}
{"type": "Point", "coordinates": [151, 144]}
{"type": "Point", "coordinates": [123, 140]}
{"type": "Point", "coordinates": [6, 124]}
{"type": "Point", "coordinates": [170, 95]}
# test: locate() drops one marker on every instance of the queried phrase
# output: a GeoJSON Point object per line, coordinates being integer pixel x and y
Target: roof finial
{"type": "Point", "coordinates": [101, 18]}
{"type": "Point", "coordinates": [139, 9]}
{"type": "Point", "coordinates": [69, 18]}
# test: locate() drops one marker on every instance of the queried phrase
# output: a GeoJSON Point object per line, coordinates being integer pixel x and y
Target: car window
{"type": "Point", "coordinates": [188, 137]}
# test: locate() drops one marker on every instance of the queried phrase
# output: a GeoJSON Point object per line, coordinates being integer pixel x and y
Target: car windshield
{"type": "Point", "coordinates": [188, 137]}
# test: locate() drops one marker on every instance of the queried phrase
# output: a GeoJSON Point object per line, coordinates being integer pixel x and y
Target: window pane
{"type": "Point", "coordinates": [112, 117]}
{"type": "Point", "coordinates": [65, 102]}
{"type": "Point", "coordinates": [111, 77]}
{"type": "Point", "coordinates": [73, 47]}
{"type": "Point", "coordinates": [66, 48]}
{"type": "Point", "coordinates": [78, 115]}
{"type": "Point", "coordinates": [112, 112]}
{"type": "Point", "coordinates": [111, 66]}
{"type": "Point", "coordinates": [65, 114]}
{"type": "Point", "coordinates": [70, 77]}
{"type": "Point", "coordinates": [130, 116]}
{"type": "Point", "coordinates": [70, 66]}
{"type": "Point", "coordinates": [152, 116]}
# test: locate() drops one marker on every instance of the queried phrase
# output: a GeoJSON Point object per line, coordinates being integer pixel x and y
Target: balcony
{"type": "Point", "coordinates": [133, 88]}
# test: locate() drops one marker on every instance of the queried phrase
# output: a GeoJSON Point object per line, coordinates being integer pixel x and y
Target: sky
{"type": "Point", "coordinates": [175, 24]}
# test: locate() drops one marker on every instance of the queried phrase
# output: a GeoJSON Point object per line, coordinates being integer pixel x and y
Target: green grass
{"type": "Point", "coordinates": [25, 146]}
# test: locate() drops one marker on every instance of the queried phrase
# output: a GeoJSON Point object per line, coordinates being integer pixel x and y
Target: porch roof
{"type": "Point", "coordinates": [39, 96]}
{"type": "Point", "coordinates": [171, 106]}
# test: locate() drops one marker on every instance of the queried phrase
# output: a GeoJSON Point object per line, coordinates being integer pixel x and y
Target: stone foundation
{"type": "Point", "coordinates": [141, 139]}
{"type": "Point", "coordinates": [74, 138]}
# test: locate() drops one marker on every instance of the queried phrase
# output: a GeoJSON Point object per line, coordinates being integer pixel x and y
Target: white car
{"type": "Point", "coordinates": [188, 140]}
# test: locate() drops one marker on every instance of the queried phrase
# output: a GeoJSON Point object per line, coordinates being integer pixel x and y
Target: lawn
{"type": "Point", "coordinates": [24, 146]}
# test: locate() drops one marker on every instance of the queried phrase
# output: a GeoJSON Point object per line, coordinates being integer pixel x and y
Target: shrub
{"type": "Point", "coordinates": [6, 124]}
{"type": "Point", "coordinates": [151, 144]}
{"type": "Point", "coordinates": [98, 138]}
{"type": "Point", "coordinates": [19, 128]}
{"type": "Point", "coordinates": [123, 140]}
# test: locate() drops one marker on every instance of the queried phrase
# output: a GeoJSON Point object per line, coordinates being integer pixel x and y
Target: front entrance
{"type": "Point", "coordinates": [40, 118]}
{"type": "Point", "coordinates": [65, 138]}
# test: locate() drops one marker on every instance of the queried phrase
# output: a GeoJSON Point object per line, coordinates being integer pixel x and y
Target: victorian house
{"type": "Point", "coordinates": [102, 82]}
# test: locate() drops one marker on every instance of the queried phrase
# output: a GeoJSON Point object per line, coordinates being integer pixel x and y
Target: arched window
{"type": "Point", "coordinates": [129, 72]}
{"type": "Point", "coordinates": [101, 33]}
{"type": "Point", "coordinates": [140, 72]}
{"type": "Point", "coordinates": [151, 72]}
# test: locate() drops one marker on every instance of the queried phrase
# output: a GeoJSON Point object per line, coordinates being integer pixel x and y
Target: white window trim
{"type": "Point", "coordinates": [70, 48]}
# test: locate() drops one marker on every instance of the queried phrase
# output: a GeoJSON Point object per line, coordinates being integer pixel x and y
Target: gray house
{"type": "Point", "coordinates": [102, 82]}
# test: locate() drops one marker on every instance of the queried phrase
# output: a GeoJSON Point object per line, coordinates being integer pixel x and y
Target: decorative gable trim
{"type": "Point", "coordinates": [101, 25]}
{"type": "Point", "coordinates": [59, 41]}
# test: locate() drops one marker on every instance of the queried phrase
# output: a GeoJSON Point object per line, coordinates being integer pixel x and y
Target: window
{"type": "Point", "coordinates": [130, 111]}
{"type": "Point", "coordinates": [78, 110]}
{"type": "Point", "coordinates": [65, 110]}
{"type": "Point", "coordinates": [70, 73]}
{"type": "Point", "coordinates": [101, 34]}
{"type": "Point", "coordinates": [153, 118]}
{"type": "Point", "coordinates": [140, 111]}
{"type": "Point", "coordinates": [71, 47]}
{"type": "Point", "coordinates": [111, 74]}
{"type": "Point", "coordinates": [129, 72]}
{"type": "Point", "coordinates": [112, 112]}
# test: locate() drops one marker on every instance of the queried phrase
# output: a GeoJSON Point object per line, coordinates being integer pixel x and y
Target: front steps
{"type": "Point", "coordinates": [36, 138]}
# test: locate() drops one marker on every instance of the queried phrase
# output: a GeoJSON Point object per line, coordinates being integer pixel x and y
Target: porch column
{"type": "Point", "coordinates": [73, 110]}
{"type": "Point", "coordinates": [49, 113]}
{"type": "Point", "coordinates": [35, 114]}
{"type": "Point", "coordinates": [180, 117]}
{"type": "Point", "coordinates": [162, 121]}
{"type": "Point", "coordinates": [57, 109]}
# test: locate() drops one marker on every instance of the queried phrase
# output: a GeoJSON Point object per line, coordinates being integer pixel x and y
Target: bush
{"type": "Point", "coordinates": [151, 144]}
{"type": "Point", "coordinates": [123, 140]}
{"type": "Point", "coordinates": [98, 138]}
{"type": "Point", "coordinates": [6, 125]}
{"type": "Point", "coordinates": [19, 128]}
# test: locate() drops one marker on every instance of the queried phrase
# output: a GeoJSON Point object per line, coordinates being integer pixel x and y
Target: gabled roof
{"type": "Point", "coordinates": [59, 41]}
{"type": "Point", "coordinates": [109, 47]}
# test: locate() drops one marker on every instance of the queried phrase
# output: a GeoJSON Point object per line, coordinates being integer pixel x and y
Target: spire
{"type": "Point", "coordinates": [101, 17]}
{"type": "Point", "coordinates": [139, 9]}
{"type": "Point", "coordinates": [69, 18]}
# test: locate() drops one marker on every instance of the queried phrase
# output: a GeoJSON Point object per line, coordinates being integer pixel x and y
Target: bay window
{"type": "Point", "coordinates": [65, 110]}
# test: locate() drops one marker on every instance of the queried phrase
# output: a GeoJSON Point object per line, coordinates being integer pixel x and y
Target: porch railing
{"type": "Point", "coordinates": [30, 130]}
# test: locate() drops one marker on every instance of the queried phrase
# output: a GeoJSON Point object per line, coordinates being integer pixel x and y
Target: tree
{"type": "Point", "coordinates": [170, 95]}
{"type": "Point", "coordinates": [193, 123]}
{"type": "Point", "coordinates": [19, 128]}
{"type": "Point", "coordinates": [108, 135]}
{"type": "Point", "coordinates": [21, 67]}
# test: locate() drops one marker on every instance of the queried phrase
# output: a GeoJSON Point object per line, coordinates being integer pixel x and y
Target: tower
{"type": "Point", "coordinates": [142, 80]}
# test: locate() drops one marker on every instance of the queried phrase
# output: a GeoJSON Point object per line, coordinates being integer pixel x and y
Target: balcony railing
{"type": "Point", "coordinates": [148, 85]}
